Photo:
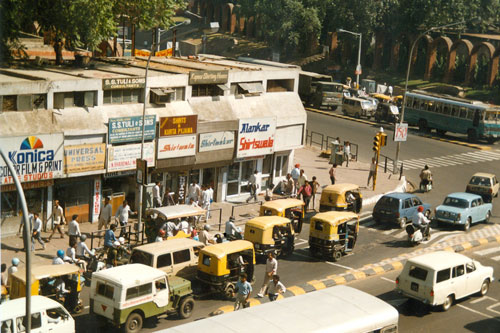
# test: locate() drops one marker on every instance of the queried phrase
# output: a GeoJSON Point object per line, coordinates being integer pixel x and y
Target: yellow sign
{"type": "Point", "coordinates": [164, 53]}
{"type": "Point", "coordinates": [83, 158]}
{"type": "Point", "coordinates": [141, 53]}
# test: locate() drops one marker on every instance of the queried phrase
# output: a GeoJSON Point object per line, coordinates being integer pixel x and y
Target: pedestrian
{"type": "Point", "coordinates": [315, 187]}
{"type": "Point", "coordinates": [306, 192]}
{"type": "Point", "coordinates": [373, 165]}
{"type": "Point", "coordinates": [194, 191]}
{"type": "Point", "coordinates": [271, 269]}
{"type": "Point", "coordinates": [105, 214]}
{"type": "Point", "coordinates": [168, 199]}
{"type": "Point", "coordinates": [71, 253]}
{"type": "Point", "coordinates": [242, 292]}
{"type": "Point", "coordinates": [289, 185]}
{"type": "Point", "coordinates": [347, 152]}
{"type": "Point", "coordinates": [37, 232]}
{"type": "Point", "coordinates": [157, 195]}
{"type": "Point", "coordinates": [169, 227]}
{"type": "Point", "coordinates": [205, 200]}
{"type": "Point", "coordinates": [269, 192]}
{"type": "Point", "coordinates": [301, 180]}
{"type": "Point", "coordinates": [332, 173]}
{"type": "Point", "coordinates": [109, 236]}
{"type": "Point", "coordinates": [253, 184]}
{"type": "Point", "coordinates": [205, 236]}
{"type": "Point", "coordinates": [274, 288]}
{"type": "Point", "coordinates": [185, 227]}
{"type": "Point", "coordinates": [389, 91]}
{"type": "Point", "coordinates": [21, 229]}
{"type": "Point", "coordinates": [351, 201]}
{"type": "Point", "coordinates": [57, 219]}
{"type": "Point", "coordinates": [74, 229]}
{"type": "Point", "coordinates": [295, 176]}
{"type": "Point", "coordinates": [122, 214]}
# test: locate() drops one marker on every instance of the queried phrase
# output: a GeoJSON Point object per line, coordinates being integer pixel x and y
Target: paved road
{"type": "Point", "coordinates": [375, 242]}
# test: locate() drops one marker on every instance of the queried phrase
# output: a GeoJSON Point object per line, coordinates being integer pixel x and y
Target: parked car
{"type": "Point", "coordinates": [440, 278]}
{"type": "Point", "coordinates": [398, 208]}
{"type": "Point", "coordinates": [463, 209]}
{"type": "Point", "coordinates": [484, 184]}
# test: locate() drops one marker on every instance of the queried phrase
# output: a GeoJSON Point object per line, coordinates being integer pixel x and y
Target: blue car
{"type": "Point", "coordinates": [463, 209]}
{"type": "Point", "coordinates": [398, 208]}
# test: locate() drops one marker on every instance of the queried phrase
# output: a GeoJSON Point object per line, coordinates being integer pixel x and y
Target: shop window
{"type": "Point", "coordinates": [120, 96]}
{"type": "Point", "coordinates": [8, 204]}
{"type": "Point", "coordinates": [281, 167]}
{"type": "Point", "coordinates": [280, 85]}
{"type": "Point", "coordinates": [74, 98]}
{"type": "Point", "coordinates": [199, 90]}
{"type": "Point", "coordinates": [23, 102]}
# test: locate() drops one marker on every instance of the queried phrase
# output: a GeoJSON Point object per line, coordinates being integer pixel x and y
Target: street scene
{"type": "Point", "coordinates": [243, 166]}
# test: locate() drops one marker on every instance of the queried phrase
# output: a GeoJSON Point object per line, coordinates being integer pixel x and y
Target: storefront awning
{"type": "Point", "coordinates": [252, 88]}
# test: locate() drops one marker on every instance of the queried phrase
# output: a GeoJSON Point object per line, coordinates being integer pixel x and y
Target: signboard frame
{"type": "Point", "coordinates": [85, 158]}
{"type": "Point", "coordinates": [255, 132]}
{"type": "Point", "coordinates": [178, 146]}
{"type": "Point", "coordinates": [215, 141]}
{"type": "Point", "coordinates": [129, 129]}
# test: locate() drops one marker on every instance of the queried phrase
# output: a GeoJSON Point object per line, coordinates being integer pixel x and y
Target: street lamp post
{"type": "Point", "coordinates": [398, 147]}
{"type": "Point", "coordinates": [358, 67]}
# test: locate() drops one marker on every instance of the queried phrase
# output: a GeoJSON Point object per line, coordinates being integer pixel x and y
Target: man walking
{"type": "Point", "coordinates": [289, 185]}
{"type": "Point", "coordinates": [194, 192]}
{"type": "Point", "coordinates": [37, 232]}
{"type": "Point", "coordinates": [271, 269]}
{"type": "Point", "coordinates": [332, 173]}
{"type": "Point", "coordinates": [315, 187]}
{"type": "Point", "coordinates": [156, 195]}
{"type": "Point", "coordinates": [253, 183]}
{"type": "Point", "coordinates": [242, 292]}
{"type": "Point", "coordinates": [105, 215]}
{"type": "Point", "coordinates": [373, 165]}
{"type": "Point", "coordinates": [57, 220]}
{"type": "Point", "coordinates": [295, 176]}
{"type": "Point", "coordinates": [122, 214]}
{"type": "Point", "coordinates": [274, 288]}
{"type": "Point", "coordinates": [74, 230]}
{"type": "Point", "coordinates": [306, 192]}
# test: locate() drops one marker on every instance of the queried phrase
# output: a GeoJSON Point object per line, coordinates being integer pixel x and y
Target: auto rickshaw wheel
{"type": "Point", "coordinates": [228, 291]}
{"type": "Point", "coordinates": [186, 307]}
{"type": "Point", "coordinates": [78, 308]}
{"type": "Point", "coordinates": [337, 255]}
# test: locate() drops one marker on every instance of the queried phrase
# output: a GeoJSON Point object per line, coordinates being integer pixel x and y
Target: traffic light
{"type": "Point", "coordinates": [383, 139]}
{"type": "Point", "coordinates": [376, 142]}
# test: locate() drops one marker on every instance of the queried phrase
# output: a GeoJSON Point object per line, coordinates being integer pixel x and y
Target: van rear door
{"type": "Point", "coordinates": [103, 295]}
{"type": "Point", "coordinates": [416, 281]}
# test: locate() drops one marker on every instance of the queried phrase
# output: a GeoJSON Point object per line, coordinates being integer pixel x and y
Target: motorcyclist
{"type": "Point", "coordinates": [421, 222]}
{"type": "Point", "coordinates": [59, 259]}
{"type": "Point", "coordinates": [232, 231]}
{"type": "Point", "coordinates": [425, 178]}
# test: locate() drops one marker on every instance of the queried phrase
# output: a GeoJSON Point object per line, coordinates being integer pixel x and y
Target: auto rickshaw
{"type": "Point", "coordinates": [270, 234]}
{"type": "Point", "coordinates": [220, 265]}
{"type": "Point", "coordinates": [382, 97]}
{"type": "Point", "coordinates": [157, 217]}
{"type": "Point", "coordinates": [290, 208]}
{"type": "Point", "coordinates": [341, 197]}
{"type": "Point", "coordinates": [62, 283]}
{"type": "Point", "coordinates": [333, 234]}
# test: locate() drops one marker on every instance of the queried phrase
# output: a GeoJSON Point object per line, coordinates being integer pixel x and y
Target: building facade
{"type": "Point", "coordinates": [74, 134]}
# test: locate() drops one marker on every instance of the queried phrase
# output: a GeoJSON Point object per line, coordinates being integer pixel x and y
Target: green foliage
{"type": "Point", "coordinates": [10, 27]}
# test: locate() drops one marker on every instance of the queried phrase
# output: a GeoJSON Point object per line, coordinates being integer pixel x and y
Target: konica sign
{"type": "Point", "coordinates": [34, 158]}
{"type": "Point", "coordinates": [256, 137]}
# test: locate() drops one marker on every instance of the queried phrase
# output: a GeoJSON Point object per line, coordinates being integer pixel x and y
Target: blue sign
{"type": "Point", "coordinates": [129, 129]}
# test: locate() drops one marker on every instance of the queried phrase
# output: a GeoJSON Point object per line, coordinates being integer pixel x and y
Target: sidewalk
{"type": "Point", "coordinates": [309, 160]}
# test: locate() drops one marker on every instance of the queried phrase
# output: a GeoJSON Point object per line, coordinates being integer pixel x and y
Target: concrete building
{"type": "Point", "coordinates": [74, 133]}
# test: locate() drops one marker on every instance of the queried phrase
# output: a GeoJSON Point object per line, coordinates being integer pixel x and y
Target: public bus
{"type": "Point", "coordinates": [335, 309]}
{"type": "Point", "coordinates": [431, 111]}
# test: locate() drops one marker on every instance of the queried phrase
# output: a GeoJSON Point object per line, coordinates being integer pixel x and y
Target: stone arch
{"type": "Point", "coordinates": [400, 51]}
{"type": "Point", "coordinates": [227, 16]}
{"type": "Point", "coordinates": [210, 11]}
{"type": "Point", "coordinates": [419, 55]}
{"type": "Point", "coordinates": [441, 43]}
{"type": "Point", "coordinates": [481, 49]}
{"type": "Point", "coordinates": [460, 46]}
{"type": "Point", "coordinates": [494, 64]}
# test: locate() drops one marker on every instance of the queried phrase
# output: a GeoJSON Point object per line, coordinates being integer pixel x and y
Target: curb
{"type": "Point", "coordinates": [460, 143]}
{"type": "Point", "coordinates": [380, 268]}
{"type": "Point", "coordinates": [373, 199]}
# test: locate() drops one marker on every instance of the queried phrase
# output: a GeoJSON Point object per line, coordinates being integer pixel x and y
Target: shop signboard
{"type": "Point", "coordinates": [256, 136]}
{"type": "Point", "coordinates": [216, 141]}
{"type": "Point", "coordinates": [97, 200]}
{"type": "Point", "coordinates": [84, 158]}
{"type": "Point", "coordinates": [208, 77]}
{"type": "Point", "coordinates": [123, 83]}
{"type": "Point", "coordinates": [182, 125]}
{"type": "Point", "coordinates": [176, 146]}
{"type": "Point", "coordinates": [129, 129]}
{"type": "Point", "coordinates": [124, 157]}
{"type": "Point", "coordinates": [34, 158]}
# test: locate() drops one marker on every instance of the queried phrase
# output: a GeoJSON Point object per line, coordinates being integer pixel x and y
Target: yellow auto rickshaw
{"type": "Point", "coordinates": [333, 234]}
{"type": "Point", "coordinates": [293, 209]}
{"type": "Point", "coordinates": [382, 97]}
{"type": "Point", "coordinates": [341, 197]}
{"type": "Point", "coordinates": [270, 234]}
{"type": "Point", "coordinates": [62, 283]}
{"type": "Point", "coordinates": [220, 265]}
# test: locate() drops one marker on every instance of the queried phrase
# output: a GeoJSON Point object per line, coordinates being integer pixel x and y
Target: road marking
{"type": "Point", "coordinates": [388, 232]}
{"type": "Point", "coordinates": [388, 280]}
{"type": "Point", "coordinates": [487, 251]}
{"type": "Point", "coordinates": [482, 299]}
{"type": "Point", "coordinates": [300, 242]}
{"type": "Point", "coordinates": [497, 258]}
{"type": "Point", "coordinates": [477, 312]}
{"type": "Point", "coordinates": [338, 265]}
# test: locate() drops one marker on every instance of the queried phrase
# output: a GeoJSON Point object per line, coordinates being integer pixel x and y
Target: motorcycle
{"type": "Point", "coordinates": [95, 263]}
{"type": "Point", "coordinates": [415, 235]}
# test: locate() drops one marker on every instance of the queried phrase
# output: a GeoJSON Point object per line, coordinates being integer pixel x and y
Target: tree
{"type": "Point", "coordinates": [11, 23]}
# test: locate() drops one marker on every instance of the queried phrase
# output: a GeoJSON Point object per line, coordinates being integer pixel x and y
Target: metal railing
{"type": "Point", "coordinates": [323, 141]}
{"type": "Point", "coordinates": [233, 209]}
{"type": "Point", "coordinates": [131, 235]}
{"type": "Point", "coordinates": [220, 216]}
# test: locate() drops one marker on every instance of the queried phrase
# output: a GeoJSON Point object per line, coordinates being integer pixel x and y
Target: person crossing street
{"type": "Point", "coordinates": [242, 292]}
{"type": "Point", "coordinates": [37, 232]}
{"type": "Point", "coordinates": [271, 269]}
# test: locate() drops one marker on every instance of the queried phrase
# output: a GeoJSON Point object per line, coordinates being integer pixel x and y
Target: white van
{"type": "Point", "coordinates": [178, 256]}
{"type": "Point", "coordinates": [47, 315]}
{"type": "Point", "coordinates": [439, 278]}
{"type": "Point", "coordinates": [357, 107]}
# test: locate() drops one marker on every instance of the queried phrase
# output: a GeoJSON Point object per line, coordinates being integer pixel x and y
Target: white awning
{"type": "Point", "coordinates": [252, 87]}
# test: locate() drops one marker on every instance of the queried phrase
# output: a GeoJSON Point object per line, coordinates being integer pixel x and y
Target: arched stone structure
{"type": "Point", "coordinates": [218, 14]}
{"type": "Point", "coordinates": [250, 24]}
{"type": "Point", "coordinates": [397, 49]}
{"type": "Point", "coordinates": [452, 57]}
{"type": "Point", "coordinates": [494, 64]}
{"type": "Point", "coordinates": [227, 18]}
{"type": "Point", "coordinates": [483, 48]}
{"type": "Point", "coordinates": [210, 11]}
{"type": "Point", "coordinates": [378, 51]}
{"type": "Point", "coordinates": [441, 41]}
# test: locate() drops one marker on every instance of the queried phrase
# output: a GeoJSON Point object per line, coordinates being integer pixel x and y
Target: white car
{"type": "Point", "coordinates": [440, 278]}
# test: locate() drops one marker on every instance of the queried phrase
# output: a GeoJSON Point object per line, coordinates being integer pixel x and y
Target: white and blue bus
{"type": "Point", "coordinates": [430, 111]}
{"type": "Point", "coordinates": [335, 309]}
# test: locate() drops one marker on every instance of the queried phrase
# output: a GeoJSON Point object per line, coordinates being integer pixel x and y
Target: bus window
{"type": "Point", "coordinates": [423, 105]}
{"type": "Point", "coordinates": [454, 111]}
{"type": "Point", "coordinates": [431, 106]}
{"type": "Point", "coordinates": [470, 114]}
{"type": "Point", "coordinates": [439, 107]}
{"type": "Point", "coordinates": [446, 109]}
{"type": "Point", "coordinates": [416, 103]}
{"type": "Point", "coordinates": [463, 112]}
{"type": "Point", "coordinates": [409, 101]}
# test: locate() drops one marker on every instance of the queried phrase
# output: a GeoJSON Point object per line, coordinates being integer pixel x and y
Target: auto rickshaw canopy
{"type": "Point", "coordinates": [281, 205]}
{"type": "Point", "coordinates": [46, 271]}
{"type": "Point", "coordinates": [260, 229]}
{"type": "Point", "coordinates": [330, 224]}
{"type": "Point", "coordinates": [382, 97]}
{"type": "Point", "coordinates": [223, 249]}
{"type": "Point", "coordinates": [335, 217]}
{"type": "Point", "coordinates": [341, 188]}
{"type": "Point", "coordinates": [176, 211]}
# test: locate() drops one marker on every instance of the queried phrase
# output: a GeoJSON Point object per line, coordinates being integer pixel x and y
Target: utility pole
{"type": "Point", "coordinates": [379, 141]}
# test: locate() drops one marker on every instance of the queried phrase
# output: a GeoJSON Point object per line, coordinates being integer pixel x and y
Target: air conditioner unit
{"type": "Point", "coordinates": [161, 96]}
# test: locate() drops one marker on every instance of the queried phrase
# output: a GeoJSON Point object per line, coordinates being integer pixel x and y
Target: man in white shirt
{"type": "Point", "coordinates": [105, 215]}
{"type": "Point", "coordinates": [170, 227]}
{"type": "Point", "coordinates": [184, 226]}
{"type": "Point", "coordinates": [274, 288]}
{"type": "Point", "coordinates": [156, 195]}
{"type": "Point", "coordinates": [74, 229]}
{"type": "Point", "coordinates": [82, 249]}
{"type": "Point", "coordinates": [271, 269]}
{"type": "Point", "coordinates": [194, 192]}
{"type": "Point", "coordinates": [205, 195]}
{"type": "Point", "coordinates": [122, 215]}
{"type": "Point", "coordinates": [231, 230]}
{"type": "Point", "coordinates": [37, 232]}
{"type": "Point", "coordinates": [57, 219]}
{"type": "Point", "coordinates": [254, 183]}
{"type": "Point", "coordinates": [205, 237]}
